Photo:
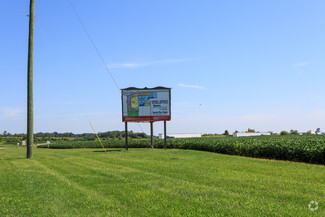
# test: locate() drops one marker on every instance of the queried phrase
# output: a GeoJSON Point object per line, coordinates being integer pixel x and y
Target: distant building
{"type": "Point", "coordinates": [251, 134]}
{"type": "Point", "coordinates": [180, 135]}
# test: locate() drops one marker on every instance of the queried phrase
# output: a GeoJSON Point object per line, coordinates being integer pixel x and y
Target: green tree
{"type": "Point", "coordinates": [294, 132]}
{"type": "Point", "coordinates": [283, 133]}
{"type": "Point", "coordinates": [226, 133]}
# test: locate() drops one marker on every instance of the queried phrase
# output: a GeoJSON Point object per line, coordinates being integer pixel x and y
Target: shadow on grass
{"type": "Point", "coordinates": [107, 151]}
{"type": "Point", "coordinates": [14, 158]}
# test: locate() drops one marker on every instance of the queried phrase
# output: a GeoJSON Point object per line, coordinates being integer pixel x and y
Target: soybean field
{"type": "Point", "coordinates": [301, 148]}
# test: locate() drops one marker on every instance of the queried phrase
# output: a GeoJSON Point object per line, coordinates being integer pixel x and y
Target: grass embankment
{"type": "Point", "coordinates": [143, 182]}
{"type": "Point", "coordinates": [308, 148]}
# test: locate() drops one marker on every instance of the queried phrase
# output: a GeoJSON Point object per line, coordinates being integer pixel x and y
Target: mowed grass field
{"type": "Point", "coordinates": [145, 182]}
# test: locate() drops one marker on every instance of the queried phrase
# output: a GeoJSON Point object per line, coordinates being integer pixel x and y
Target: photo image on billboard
{"type": "Point", "coordinates": [146, 104]}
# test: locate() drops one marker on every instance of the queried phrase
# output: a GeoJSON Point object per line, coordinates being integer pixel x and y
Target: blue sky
{"type": "Point", "coordinates": [231, 64]}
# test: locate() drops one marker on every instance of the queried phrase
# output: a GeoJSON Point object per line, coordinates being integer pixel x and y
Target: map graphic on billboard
{"type": "Point", "coordinates": [148, 104]}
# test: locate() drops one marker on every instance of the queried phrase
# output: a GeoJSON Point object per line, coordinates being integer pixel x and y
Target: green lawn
{"type": "Point", "coordinates": [143, 182]}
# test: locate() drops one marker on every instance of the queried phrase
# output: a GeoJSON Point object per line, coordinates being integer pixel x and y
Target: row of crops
{"type": "Point", "coordinates": [307, 148]}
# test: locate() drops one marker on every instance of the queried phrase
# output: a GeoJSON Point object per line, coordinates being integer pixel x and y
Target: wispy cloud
{"type": "Point", "coordinates": [302, 64]}
{"type": "Point", "coordinates": [11, 112]}
{"type": "Point", "coordinates": [74, 115]}
{"type": "Point", "coordinates": [143, 64]}
{"type": "Point", "coordinates": [192, 86]}
{"type": "Point", "coordinates": [60, 103]}
{"type": "Point", "coordinates": [316, 96]}
{"type": "Point", "coordinates": [257, 118]}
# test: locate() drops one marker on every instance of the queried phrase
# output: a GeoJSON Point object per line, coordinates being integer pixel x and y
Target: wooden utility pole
{"type": "Point", "coordinates": [30, 110]}
{"type": "Point", "coordinates": [126, 136]}
{"type": "Point", "coordinates": [165, 135]}
{"type": "Point", "coordinates": [151, 130]}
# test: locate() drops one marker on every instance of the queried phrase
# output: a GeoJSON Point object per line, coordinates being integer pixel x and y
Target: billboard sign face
{"type": "Point", "coordinates": [148, 104]}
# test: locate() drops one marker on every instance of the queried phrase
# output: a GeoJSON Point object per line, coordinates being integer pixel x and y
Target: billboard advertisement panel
{"type": "Point", "coordinates": [146, 104]}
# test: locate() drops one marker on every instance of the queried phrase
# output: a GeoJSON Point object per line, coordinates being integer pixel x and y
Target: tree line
{"type": "Point", "coordinates": [74, 136]}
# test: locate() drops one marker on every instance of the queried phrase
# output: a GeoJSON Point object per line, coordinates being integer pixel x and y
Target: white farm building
{"type": "Point", "coordinates": [180, 135]}
{"type": "Point", "coordinates": [251, 134]}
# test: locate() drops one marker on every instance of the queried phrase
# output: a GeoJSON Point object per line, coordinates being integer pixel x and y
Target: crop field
{"type": "Point", "coordinates": [145, 182]}
{"type": "Point", "coordinates": [307, 148]}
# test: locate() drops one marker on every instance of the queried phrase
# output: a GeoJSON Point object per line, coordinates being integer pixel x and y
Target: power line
{"type": "Point", "coordinates": [73, 90]}
{"type": "Point", "coordinates": [13, 13]}
{"type": "Point", "coordinates": [93, 43]}
{"type": "Point", "coordinates": [141, 127]}
{"type": "Point", "coordinates": [97, 50]}
{"type": "Point", "coordinates": [84, 110]}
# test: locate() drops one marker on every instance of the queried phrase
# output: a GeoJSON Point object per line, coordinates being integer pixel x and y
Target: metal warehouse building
{"type": "Point", "coordinates": [180, 135]}
{"type": "Point", "coordinates": [251, 134]}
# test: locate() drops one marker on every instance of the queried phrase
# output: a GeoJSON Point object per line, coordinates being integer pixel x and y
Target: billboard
{"type": "Point", "coordinates": [145, 104]}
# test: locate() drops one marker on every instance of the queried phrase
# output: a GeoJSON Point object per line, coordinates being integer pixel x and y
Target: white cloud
{"type": "Point", "coordinates": [302, 64]}
{"type": "Point", "coordinates": [85, 115]}
{"type": "Point", "coordinates": [316, 96]}
{"type": "Point", "coordinates": [257, 118]}
{"type": "Point", "coordinates": [125, 65]}
{"type": "Point", "coordinates": [11, 112]}
{"type": "Point", "coordinates": [192, 86]}
{"type": "Point", "coordinates": [143, 64]}
{"type": "Point", "coordinates": [60, 103]}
